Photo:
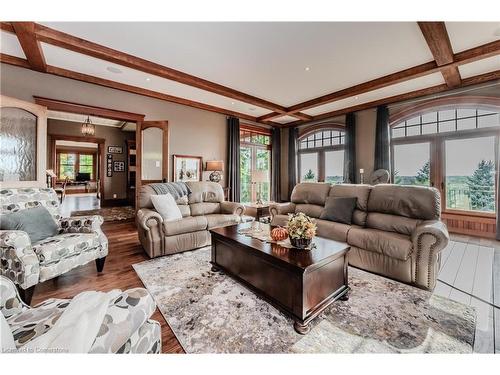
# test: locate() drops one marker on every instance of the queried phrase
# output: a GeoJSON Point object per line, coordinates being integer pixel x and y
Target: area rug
{"type": "Point", "coordinates": [210, 312]}
{"type": "Point", "coordinates": [110, 213]}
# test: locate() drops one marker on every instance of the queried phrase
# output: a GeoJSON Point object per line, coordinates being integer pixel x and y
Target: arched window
{"type": "Point", "coordinates": [454, 147]}
{"type": "Point", "coordinates": [321, 154]}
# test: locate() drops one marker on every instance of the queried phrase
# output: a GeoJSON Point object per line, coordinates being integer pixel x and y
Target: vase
{"type": "Point", "coordinates": [300, 243]}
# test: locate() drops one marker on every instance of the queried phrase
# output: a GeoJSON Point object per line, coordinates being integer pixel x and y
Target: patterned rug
{"type": "Point", "coordinates": [110, 213]}
{"type": "Point", "coordinates": [210, 312]}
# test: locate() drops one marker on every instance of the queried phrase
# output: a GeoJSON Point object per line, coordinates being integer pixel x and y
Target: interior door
{"type": "Point", "coordinates": [152, 152]}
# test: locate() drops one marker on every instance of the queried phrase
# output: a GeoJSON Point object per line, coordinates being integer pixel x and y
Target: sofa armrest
{"type": "Point", "coordinates": [429, 238]}
{"type": "Point", "coordinates": [19, 261]}
{"type": "Point", "coordinates": [148, 219]}
{"type": "Point", "coordinates": [81, 224]}
{"type": "Point", "coordinates": [151, 231]}
{"type": "Point", "coordinates": [281, 209]}
{"type": "Point", "coordinates": [232, 208]}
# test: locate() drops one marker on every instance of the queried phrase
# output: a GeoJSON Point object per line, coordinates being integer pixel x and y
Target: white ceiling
{"type": "Point", "coordinates": [268, 60]}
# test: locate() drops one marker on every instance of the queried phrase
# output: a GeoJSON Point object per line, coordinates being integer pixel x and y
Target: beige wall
{"type": "Point", "coordinates": [192, 131]}
{"type": "Point", "coordinates": [117, 184]}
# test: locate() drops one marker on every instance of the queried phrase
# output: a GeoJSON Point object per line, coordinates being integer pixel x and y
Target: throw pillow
{"type": "Point", "coordinates": [37, 222]}
{"type": "Point", "coordinates": [7, 343]}
{"type": "Point", "coordinates": [166, 207]}
{"type": "Point", "coordinates": [339, 209]}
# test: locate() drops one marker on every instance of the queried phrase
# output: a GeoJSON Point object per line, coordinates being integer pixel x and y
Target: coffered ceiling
{"type": "Point", "coordinates": [276, 73]}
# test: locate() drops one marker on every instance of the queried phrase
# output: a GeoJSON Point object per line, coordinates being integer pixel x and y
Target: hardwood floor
{"type": "Point", "coordinates": [124, 250]}
{"type": "Point", "coordinates": [79, 202]}
{"type": "Point", "coordinates": [470, 273]}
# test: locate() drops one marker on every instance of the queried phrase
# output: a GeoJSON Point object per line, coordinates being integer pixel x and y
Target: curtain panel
{"type": "Point", "coordinates": [382, 140]}
{"type": "Point", "coordinates": [350, 149]}
{"type": "Point", "coordinates": [233, 158]}
{"type": "Point", "coordinates": [293, 139]}
{"type": "Point", "coordinates": [276, 165]}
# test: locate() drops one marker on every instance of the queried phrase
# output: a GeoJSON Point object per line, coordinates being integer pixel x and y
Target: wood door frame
{"type": "Point", "coordinates": [101, 152]}
{"type": "Point", "coordinates": [141, 125]}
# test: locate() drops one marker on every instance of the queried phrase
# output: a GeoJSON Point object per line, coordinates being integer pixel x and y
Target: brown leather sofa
{"type": "Point", "coordinates": [202, 210]}
{"type": "Point", "coordinates": [396, 230]}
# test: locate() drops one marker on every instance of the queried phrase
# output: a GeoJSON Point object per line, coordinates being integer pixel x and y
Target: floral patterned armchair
{"type": "Point", "coordinates": [126, 327]}
{"type": "Point", "coordinates": [80, 240]}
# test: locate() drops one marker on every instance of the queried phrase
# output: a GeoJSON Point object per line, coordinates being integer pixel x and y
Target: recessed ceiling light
{"type": "Point", "coordinates": [148, 79]}
{"type": "Point", "coordinates": [113, 69]}
{"type": "Point", "coordinates": [233, 103]}
{"type": "Point", "coordinates": [307, 68]}
{"type": "Point", "coordinates": [356, 97]}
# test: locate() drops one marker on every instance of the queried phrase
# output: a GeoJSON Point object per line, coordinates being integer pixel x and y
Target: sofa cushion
{"type": "Point", "coordinates": [311, 210]}
{"type": "Point", "coordinates": [222, 220]}
{"type": "Point", "coordinates": [204, 208]}
{"type": "Point", "coordinates": [391, 244]}
{"type": "Point", "coordinates": [339, 209]}
{"type": "Point", "coordinates": [37, 222]}
{"type": "Point", "coordinates": [362, 192]}
{"type": "Point", "coordinates": [392, 223]}
{"type": "Point", "coordinates": [205, 191]}
{"type": "Point", "coordinates": [332, 230]}
{"type": "Point", "coordinates": [185, 225]}
{"type": "Point", "coordinates": [417, 202]}
{"type": "Point", "coordinates": [165, 205]}
{"type": "Point", "coordinates": [66, 245]}
{"type": "Point", "coordinates": [310, 193]}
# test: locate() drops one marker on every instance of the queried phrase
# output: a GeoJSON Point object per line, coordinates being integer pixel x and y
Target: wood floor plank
{"type": "Point", "coordinates": [483, 280]}
{"type": "Point", "coordinates": [484, 341]}
{"type": "Point", "coordinates": [450, 269]}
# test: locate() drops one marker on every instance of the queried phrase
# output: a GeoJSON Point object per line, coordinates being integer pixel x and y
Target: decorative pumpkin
{"type": "Point", "coordinates": [279, 234]}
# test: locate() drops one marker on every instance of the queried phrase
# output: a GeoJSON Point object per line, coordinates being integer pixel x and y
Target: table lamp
{"type": "Point", "coordinates": [258, 177]}
{"type": "Point", "coordinates": [216, 167]}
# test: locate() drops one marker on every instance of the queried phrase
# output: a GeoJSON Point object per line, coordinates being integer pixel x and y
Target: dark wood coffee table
{"type": "Point", "coordinates": [300, 283]}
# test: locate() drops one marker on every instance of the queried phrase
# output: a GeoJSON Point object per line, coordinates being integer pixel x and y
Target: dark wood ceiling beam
{"type": "Point", "coordinates": [475, 80]}
{"type": "Point", "coordinates": [437, 39]}
{"type": "Point", "coordinates": [62, 106]}
{"type": "Point", "coordinates": [75, 44]}
{"type": "Point", "coordinates": [6, 26]}
{"type": "Point", "coordinates": [275, 115]}
{"type": "Point", "coordinates": [12, 60]}
{"type": "Point", "coordinates": [32, 49]}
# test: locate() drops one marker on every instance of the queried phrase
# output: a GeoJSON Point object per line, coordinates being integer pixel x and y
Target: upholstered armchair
{"type": "Point", "coordinates": [80, 240]}
{"type": "Point", "coordinates": [126, 327]}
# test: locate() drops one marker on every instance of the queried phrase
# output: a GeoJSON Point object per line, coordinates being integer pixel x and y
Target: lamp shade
{"type": "Point", "coordinates": [215, 165]}
{"type": "Point", "coordinates": [260, 176]}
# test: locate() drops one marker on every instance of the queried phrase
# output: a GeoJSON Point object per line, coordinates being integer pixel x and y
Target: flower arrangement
{"type": "Point", "coordinates": [301, 230]}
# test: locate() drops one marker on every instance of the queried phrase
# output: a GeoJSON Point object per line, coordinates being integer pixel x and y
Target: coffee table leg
{"type": "Point", "coordinates": [303, 329]}
{"type": "Point", "coordinates": [215, 268]}
{"type": "Point", "coordinates": [345, 297]}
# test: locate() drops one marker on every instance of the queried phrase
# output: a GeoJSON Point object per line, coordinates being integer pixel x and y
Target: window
{"type": "Point", "coordinates": [321, 156]}
{"type": "Point", "coordinates": [455, 150]}
{"type": "Point", "coordinates": [255, 164]}
{"type": "Point", "coordinates": [71, 163]}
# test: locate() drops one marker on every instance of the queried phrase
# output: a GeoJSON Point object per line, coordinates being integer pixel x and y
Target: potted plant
{"type": "Point", "coordinates": [301, 230]}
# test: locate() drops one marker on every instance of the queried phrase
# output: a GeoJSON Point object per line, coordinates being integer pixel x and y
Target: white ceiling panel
{"type": "Point", "coordinates": [480, 67]}
{"type": "Point", "coordinates": [9, 44]}
{"type": "Point", "coordinates": [99, 68]}
{"type": "Point", "coordinates": [79, 118]}
{"type": "Point", "coordinates": [466, 35]}
{"type": "Point", "coordinates": [400, 88]}
{"type": "Point", "coordinates": [284, 119]}
{"type": "Point", "coordinates": [76, 144]}
{"type": "Point", "coordinates": [268, 60]}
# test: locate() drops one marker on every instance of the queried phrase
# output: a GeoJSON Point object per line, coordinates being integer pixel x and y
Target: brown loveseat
{"type": "Point", "coordinates": [396, 230]}
{"type": "Point", "coordinates": [202, 210]}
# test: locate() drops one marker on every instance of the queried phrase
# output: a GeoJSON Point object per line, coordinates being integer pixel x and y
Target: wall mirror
{"type": "Point", "coordinates": [154, 151]}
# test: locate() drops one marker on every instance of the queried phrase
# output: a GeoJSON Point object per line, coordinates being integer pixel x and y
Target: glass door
{"type": "Point", "coordinates": [470, 174]}
{"type": "Point", "coordinates": [412, 164]}
{"type": "Point", "coordinates": [246, 191]}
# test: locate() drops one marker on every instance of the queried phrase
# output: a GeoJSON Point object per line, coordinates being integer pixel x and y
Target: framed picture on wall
{"type": "Point", "coordinates": [115, 149]}
{"type": "Point", "coordinates": [187, 168]}
{"type": "Point", "coordinates": [119, 166]}
{"type": "Point", "coordinates": [109, 165]}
